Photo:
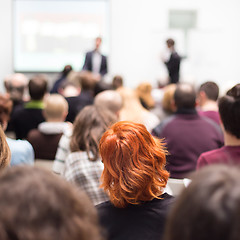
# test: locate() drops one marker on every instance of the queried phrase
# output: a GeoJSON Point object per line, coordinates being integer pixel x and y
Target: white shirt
{"type": "Point", "coordinates": [96, 62]}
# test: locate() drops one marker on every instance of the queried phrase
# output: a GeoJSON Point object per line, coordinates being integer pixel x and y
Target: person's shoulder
{"type": "Point", "coordinates": [20, 145]}
{"type": "Point", "coordinates": [161, 126]}
{"type": "Point", "coordinates": [104, 206]}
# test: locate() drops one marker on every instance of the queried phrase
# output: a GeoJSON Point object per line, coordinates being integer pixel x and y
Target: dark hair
{"type": "Point", "coordinates": [134, 164]}
{"type": "Point", "coordinates": [170, 42]}
{"type": "Point", "coordinates": [229, 109]}
{"type": "Point", "coordinates": [117, 82]}
{"type": "Point", "coordinates": [208, 209]}
{"type": "Point", "coordinates": [38, 86]}
{"type": "Point", "coordinates": [88, 127]}
{"type": "Point", "coordinates": [35, 204]}
{"type": "Point", "coordinates": [66, 70]}
{"type": "Point", "coordinates": [211, 90]}
{"type": "Point", "coordinates": [185, 96]}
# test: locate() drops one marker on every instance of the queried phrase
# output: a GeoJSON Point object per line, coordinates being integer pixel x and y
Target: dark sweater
{"type": "Point", "coordinates": [141, 222]}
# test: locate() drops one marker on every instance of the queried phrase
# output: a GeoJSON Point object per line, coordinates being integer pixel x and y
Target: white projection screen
{"type": "Point", "coordinates": [49, 34]}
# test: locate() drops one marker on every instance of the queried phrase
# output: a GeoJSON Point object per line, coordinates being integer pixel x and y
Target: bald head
{"type": "Point", "coordinates": [110, 100]}
{"type": "Point", "coordinates": [185, 96]}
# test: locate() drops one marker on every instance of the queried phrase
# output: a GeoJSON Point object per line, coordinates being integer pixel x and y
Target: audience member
{"type": "Point", "coordinates": [16, 87]}
{"type": "Point", "coordinates": [69, 89]}
{"type": "Point", "coordinates": [63, 77]}
{"type": "Point", "coordinates": [117, 82]}
{"type": "Point", "coordinates": [229, 109]}
{"type": "Point", "coordinates": [187, 134]}
{"type": "Point", "coordinates": [110, 100]}
{"type": "Point", "coordinates": [35, 204]}
{"type": "Point", "coordinates": [207, 100]}
{"type": "Point", "coordinates": [45, 138]}
{"type": "Point", "coordinates": [208, 209]}
{"type": "Point", "coordinates": [167, 107]}
{"type": "Point", "coordinates": [134, 111]}
{"type": "Point", "coordinates": [21, 150]}
{"type": "Point", "coordinates": [83, 167]}
{"type": "Point", "coordinates": [144, 93]}
{"type": "Point", "coordinates": [86, 84]}
{"type": "Point", "coordinates": [28, 117]}
{"type": "Point", "coordinates": [134, 176]}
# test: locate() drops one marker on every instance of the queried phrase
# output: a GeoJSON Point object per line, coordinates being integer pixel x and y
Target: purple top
{"type": "Point", "coordinates": [226, 154]}
{"type": "Point", "coordinates": [213, 115]}
{"type": "Point", "coordinates": [187, 136]}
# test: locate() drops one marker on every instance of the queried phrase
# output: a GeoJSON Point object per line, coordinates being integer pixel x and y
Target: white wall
{"type": "Point", "coordinates": [6, 39]}
{"type": "Point", "coordinates": [138, 31]}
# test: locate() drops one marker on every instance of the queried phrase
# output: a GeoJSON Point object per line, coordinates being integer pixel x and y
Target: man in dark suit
{"type": "Point", "coordinates": [95, 61]}
{"type": "Point", "coordinates": [173, 63]}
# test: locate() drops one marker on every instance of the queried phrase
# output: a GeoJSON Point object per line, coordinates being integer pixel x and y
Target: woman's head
{"type": "Point", "coordinates": [88, 128]}
{"type": "Point", "coordinates": [209, 208]}
{"type": "Point", "coordinates": [134, 164]}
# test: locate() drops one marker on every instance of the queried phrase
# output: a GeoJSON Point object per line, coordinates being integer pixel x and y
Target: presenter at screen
{"type": "Point", "coordinates": [95, 61]}
{"type": "Point", "coordinates": [172, 62]}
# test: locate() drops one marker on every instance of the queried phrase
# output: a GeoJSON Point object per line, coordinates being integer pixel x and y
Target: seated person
{"type": "Point", "coordinates": [83, 166]}
{"type": "Point", "coordinates": [16, 86]}
{"type": "Point", "coordinates": [45, 138]}
{"type": "Point", "coordinates": [110, 100]}
{"type": "Point", "coordinates": [207, 100]}
{"type": "Point", "coordinates": [229, 109]}
{"type": "Point", "coordinates": [134, 176]}
{"type": "Point", "coordinates": [21, 150]}
{"type": "Point", "coordinates": [35, 204]}
{"type": "Point", "coordinates": [82, 95]}
{"type": "Point", "coordinates": [208, 208]}
{"type": "Point", "coordinates": [187, 134]}
{"type": "Point", "coordinates": [27, 117]}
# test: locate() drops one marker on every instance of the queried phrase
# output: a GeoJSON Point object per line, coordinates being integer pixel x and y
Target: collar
{"type": "Point", "coordinates": [38, 104]}
{"type": "Point", "coordinates": [186, 111]}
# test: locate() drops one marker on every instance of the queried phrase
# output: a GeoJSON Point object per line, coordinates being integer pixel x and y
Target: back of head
{"type": "Point", "coordinates": [117, 82]}
{"type": "Point", "coordinates": [170, 42]}
{"type": "Point", "coordinates": [83, 79]}
{"type": "Point", "coordinates": [167, 101]}
{"type": "Point", "coordinates": [185, 96]}
{"type": "Point", "coordinates": [211, 90]}
{"type": "Point", "coordinates": [229, 109]}
{"type": "Point", "coordinates": [55, 107]}
{"type": "Point", "coordinates": [16, 85]}
{"type": "Point", "coordinates": [208, 209]}
{"type": "Point", "coordinates": [144, 92]}
{"type": "Point", "coordinates": [88, 128]}
{"type": "Point", "coordinates": [110, 100]}
{"type": "Point", "coordinates": [41, 206]}
{"type": "Point", "coordinates": [134, 164]}
{"type": "Point", "coordinates": [5, 109]}
{"type": "Point", "coordinates": [66, 70]}
{"type": "Point", "coordinates": [38, 87]}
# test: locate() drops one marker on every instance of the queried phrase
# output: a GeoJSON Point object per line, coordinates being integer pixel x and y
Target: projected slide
{"type": "Point", "coordinates": [49, 34]}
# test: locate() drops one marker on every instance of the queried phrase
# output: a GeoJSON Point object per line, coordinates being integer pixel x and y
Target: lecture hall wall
{"type": "Point", "coordinates": [138, 30]}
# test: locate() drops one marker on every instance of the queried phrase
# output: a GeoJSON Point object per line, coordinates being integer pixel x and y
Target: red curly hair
{"type": "Point", "coordinates": [134, 164]}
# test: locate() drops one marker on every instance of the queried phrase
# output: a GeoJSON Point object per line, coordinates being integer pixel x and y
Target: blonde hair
{"type": "Point", "coordinates": [144, 93]}
{"type": "Point", "coordinates": [168, 96]}
{"type": "Point", "coordinates": [55, 106]}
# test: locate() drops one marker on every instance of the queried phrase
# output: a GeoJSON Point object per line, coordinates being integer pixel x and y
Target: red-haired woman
{"type": "Point", "coordinates": [134, 176]}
